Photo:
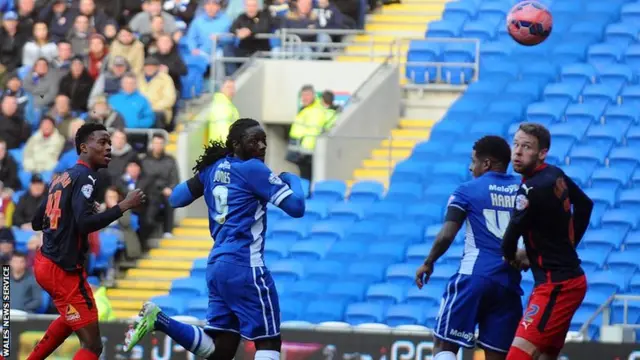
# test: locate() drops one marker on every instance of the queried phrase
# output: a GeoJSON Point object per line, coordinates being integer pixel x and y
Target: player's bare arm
{"type": "Point", "coordinates": [443, 241]}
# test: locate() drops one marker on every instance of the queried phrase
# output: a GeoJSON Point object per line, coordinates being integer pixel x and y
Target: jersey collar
{"type": "Point", "coordinates": [535, 171]}
{"type": "Point", "coordinates": [80, 162]}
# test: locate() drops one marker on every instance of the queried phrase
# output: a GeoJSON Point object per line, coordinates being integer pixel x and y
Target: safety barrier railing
{"type": "Point", "coordinates": [605, 310]}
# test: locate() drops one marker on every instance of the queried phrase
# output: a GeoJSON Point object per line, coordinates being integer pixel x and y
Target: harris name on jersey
{"type": "Point", "coordinates": [503, 196]}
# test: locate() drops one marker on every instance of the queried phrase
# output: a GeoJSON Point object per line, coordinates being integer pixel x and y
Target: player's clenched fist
{"type": "Point", "coordinates": [134, 199]}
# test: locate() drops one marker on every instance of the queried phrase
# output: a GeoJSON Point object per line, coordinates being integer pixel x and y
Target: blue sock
{"type": "Point", "coordinates": [190, 337]}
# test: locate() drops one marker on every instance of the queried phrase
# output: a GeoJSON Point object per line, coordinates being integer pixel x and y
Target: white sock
{"type": "Point", "coordinates": [267, 355]}
{"type": "Point", "coordinates": [206, 346]}
{"type": "Point", "coordinates": [445, 355]}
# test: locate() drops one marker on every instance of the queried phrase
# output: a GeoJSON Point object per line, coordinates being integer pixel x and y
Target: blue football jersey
{"type": "Point", "coordinates": [488, 202]}
{"type": "Point", "coordinates": [236, 193]}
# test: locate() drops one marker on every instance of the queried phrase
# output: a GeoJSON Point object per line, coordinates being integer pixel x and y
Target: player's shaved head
{"type": "Point", "coordinates": [494, 148]}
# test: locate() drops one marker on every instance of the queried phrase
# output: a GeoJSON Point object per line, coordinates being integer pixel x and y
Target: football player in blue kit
{"type": "Point", "coordinates": [243, 301]}
{"type": "Point", "coordinates": [486, 290]}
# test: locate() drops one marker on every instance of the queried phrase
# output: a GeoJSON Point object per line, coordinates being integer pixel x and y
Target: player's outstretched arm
{"type": "Point", "coordinates": [283, 191]}
{"type": "Point", "coordinates": [293, 204]}
{"type": "Point", "coordinates": [186, 192]}
{"type": "Point", "coordinates": [582, 208]}
{"type": "Point", "coordinates": [37, 223]}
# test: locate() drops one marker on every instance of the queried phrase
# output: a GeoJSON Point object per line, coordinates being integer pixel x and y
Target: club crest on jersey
{"type": "Point", "coordinates": [521, 202]}
{"type": "Point", "coordinates": [275, 179]}
{"type": "Point", "coordinates": [87, 190]}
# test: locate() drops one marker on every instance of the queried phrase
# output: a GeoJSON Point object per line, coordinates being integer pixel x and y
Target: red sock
{"type": "Point", "coordinates": [56, 334]}
{"type": "Point", "coordinates": [85, 354]}
{"type": "Point", "coordinates": [516, 353]}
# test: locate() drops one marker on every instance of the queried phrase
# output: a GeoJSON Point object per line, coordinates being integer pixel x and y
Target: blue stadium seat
{"type": "Point", "coordinates": [329, 190]}
{"type": "Point", "coordinates": [480, 30]}
{"type": "Point", "coordinates": [418, 73]}
{"type": "Point", "coordinates": [316, 210]}
{"type": "Point", "coordinates": [448, 131]}
{"type": "Point", "coordinates": [596, 215]}
{"type": "Point", "coordinates": [607, 282]}
{"type": "Point", "coordinates": [386, 251]}
{"type": "Point", "coordinates": [630, 13]}
{"type": "Point", "coordinates": [578, 74]}
{"type": "Point", "coordinates": [634, 285]}
{"type": "Point", "coordinates": [442, 274]}
{"type": "Point", "coordinates": [624, 114]}
{"type": "Point", "coordinates": [404, 232]}
{"type": "Point", "coordinates": [606, 133]}
{"type": "Point", "coordinates": [604, 54]}
{"type": "Point", "coordinates": [439, 193]}
{"type": "Point", "coordinates": [365, 192]}
{"type": "Point", "coordinates": [632, 241]}
{"type": "Point", "coordinates": [458, 52]}
{"type": "Point", "coordinates": [385, 211]}
{"type": "Point", "coordinates": [327, 231]}
{"type": "Point", "coordinates": [615, 75]}
{"type": "Point", "coordinates": [346, 212]}
{"type": "Point", "coordinates": [527, 281]}
{"type": "Point", "coordinates": [366, 271]}
{"type": "Point", "coordinates": [404, 192]}
{"type": "Point", "coordinates": [108, 248]}
{"type": "Point", "coordinates": [459, 10]}
{"type": "Point", "coordinates": [321, 311]}
{"type": "Point", "coordinates": [385, 293]}
{"type": "Point", "coordinates": [424, 214]}
{"type": "Point", "coordinates": [565, 53]}
{"type": "Point", "coordinates": [401, 274]}
{"type": "Point", "coordinates": [199, 268]}
{"type": "Point", "coordinates": [499, 71]}
{"type": "Point", "coordinates": [632, 136]}
{"type": "Point", "coordinates": [365, 231]}
{"type": "Point", "coordinates": [620, 34]}
{"type": "Point", "coordinates": [631, 93]}
{"type": "Point", "coordinates": [404, 314]}
{"type": "Point", "coordinates": [581, 317]}
{"type": "Point", "coordinates": [544, 72]}
{"type": "Point", "coordinates": [170, 305]}
{"type": "Point", "coordinates": [360, 313]}
{"type": "Point", "coordinates": [417, 253]}
{"type": "Point", "coordinates": [546, 112]}
{"type": "Point", "coordinates": [345, 291]}
{"type": "Point", "coordinates": [613, 176]}
{"type": "Point", "coordinates": [450, 170]}
{"type": "Point", "coordinates": [307, 289]}
{"type": "Point", "coordinates": [578, 174]}
{"type": "Point", "coordinates": [632, 57]}
{"type": "Point", "coordinates": [291, 230]}
{"type": "Point", "coordinates": [345, 251]}
{"type": "Point", "coordinates": [429, 296]}
{"type": "Point", "coordinates": [310, 250]}
{"type": "Point", "coordinates": [324, 270]}
{"type": "Point", "coordinates": [605, 196]}
{"type": "Point", "coordinates": [306, 187]}
{"type": "Point", "coordinates": [291, 309]}
{"type": "Point", "coordinates": [275, 213]}
{"type": "Point", "coordinates": [443, 29]}
{"type": "Point", "coordinates": [593, 259]}
{"type": "Point", "coordinates": [603, 240]}
{"type": "Point", "coordinates": [410, 171]}
{"type": "Point", "coordinates": [278, 249]}
{"type": "Point", "coordinates": [624, 262]}
{"type": "Point", "coordinates": [187, 288]}
{"type": "Point", "coordinates": [428, 150]}
{"type": "Point", "coordinates": [635, 178]}
{"type": "Point", "coordinates": [593, 300]}
{"type": "Point", "coordinates": [620, 218]}
{"type": "Point", "coordinates": [505, 111]}
{"type": "Point", "coordinates": [588, 155]}
{"type": "Point", "coordinates": [453, 255]}
{"type": "Point", "coordinates": [529, 90]}
{"type": "Point", "coordinates": [624, 156]}
{"type": "Point", "coordinates": [431, 231]}
{"type": "Point", "coordinates": [599, 94]}
{"type": "Point", "coordinates": [584, 113]}
{"type": "Point", "coordinates": [561, 144]}
{"type": "Point", "coordinates": [562, 91]}
{"type": "Point", "coordinates": [630, 200]}
{"type": "Point", "coordinates": [495, 51]}
{"type": "Point", "coordinates": [198, 308]}
{"type": "Point", "coordinates": [287, 270]}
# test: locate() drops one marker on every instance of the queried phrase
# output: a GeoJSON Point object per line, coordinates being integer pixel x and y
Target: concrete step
{"type": "Point", "coordinates": [165, 264]}
{"type": "Point", "coordinates": [187, 244]}
{"type": "Point", "coordinates": [131, 294]}
{"type": "Point", "coordinates": [143, 284]}
{"type": "Point", "coordinates": [155, 274]}
{"type": "Point", "coordinates": [410, 134]}
{"type": "Point", "coordinates": [399, 143]}
{"type": "Point", "coordinates": [177, 254]}
{"type": "Point", "coordinates": [390, 153]}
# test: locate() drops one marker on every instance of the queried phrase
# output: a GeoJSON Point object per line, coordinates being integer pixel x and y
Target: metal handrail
{"type": "Point", "coordinates": [605, 310]}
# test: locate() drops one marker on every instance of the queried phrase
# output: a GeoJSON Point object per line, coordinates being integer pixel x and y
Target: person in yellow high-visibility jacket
{"type": "Point", "coordinates": [105, 311]}
{"type": "Point", "coordinates": [223, 112]}
{"type": "Point", "coordinates": [307, 126]}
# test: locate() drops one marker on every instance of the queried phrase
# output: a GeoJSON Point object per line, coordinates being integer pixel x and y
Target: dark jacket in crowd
{"type": "Point", "coordinates": [14, 130]}
{"type": "Point", "coordinates": [78, 90]}
{"type": "Point", "coordinates": [11, 50]}
{"type": "Point", "coordinates": [162, 172]}
{"type": "Point", "coordinates": [9, 173]}
{"type": "Point", "coordinates": [59, 24]}
{"type": "Point", "coordinates": [26, 208]}
{"type": "Point", "coordinates": [176, 65]}
{"type": "Point", "coordinates": [263, 23]}
{"type": "Point", "coordinates": [119, 161]}
{"type": "Point", "coordinates": [26, 294]}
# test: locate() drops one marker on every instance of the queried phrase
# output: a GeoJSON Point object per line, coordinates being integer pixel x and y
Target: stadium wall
{"type": "Point", "coordinates": [368, 117]}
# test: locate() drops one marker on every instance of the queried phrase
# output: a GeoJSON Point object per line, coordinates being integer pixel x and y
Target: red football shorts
{"type": "Point", "coordinates": [548, 316]}
{"type": "Point", "coordinates": [69, 291]}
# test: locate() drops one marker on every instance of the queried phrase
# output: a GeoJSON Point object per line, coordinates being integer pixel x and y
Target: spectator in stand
{"type": "Point", "coordinates": [7, 243]}
{"type": "Point", "coordinates": [98, 20]}
{"type": "Point", "coordinates": [121, 155]}
{"type": "Point", "coordinates": [142, 22]}
{"type": "Point", "coordinates": [108, 82]}
{"type": "Point", "coordinates": [59, 17]}
{"type": "Point", "coordinates": [102, 113]}
{"type": "Point", "coordinates": [149, 40]}
{"type": "Point", "coordinates": [206, 27]}
{"type": "Point", "coordinates": [43, 147]}
{"type": "Point", "coordinates": [223, 112]}
{"type": "Point", "coordinates": [125, 10]}
{"type": "Point", "coordinates": [7, 207]}
{"type": "Point", "coordinates": [159, 89]}
{"type": "Point", "coordinates": [278, 8]}
{"type": "Point", "coordinates": [62, 62]}
{"type": "Point", "coordinates": [13, 129]}
{"type": "Point", "coordinates": [13, 87]}
{"type": "Point", "coordinates": [34, 244]}
{"type": "Point", "coordinates": [11, 43]}
{"type": "Point", "coordinates": [105, 311]}
{"type": "Point", "coordinates": [6, 6]}
{"type": "Point", "coordinates": [330, 17]}
{"type": "Point", "coordinates": [69, 156]}
{"type": "Point", "coordinates": [98, 55]}
{"type": "Point", "coordinates": [162, 170]}
{"type": "Point", "coordinates": [29, 202]}
{"type": "Point", "coordinates": [303, 17]}
{"type": "Point", "coordinates": [77, 85]}
{"type": "Point", "coordinates": [246, 26]}
{"type": "Point", "coordinates": [40, 47]}
{"type": "Point", "coordinates": [185, 10]}
{"type": "Point", "coordinates": [27, 16]}
{"type": "Point", "coordinates": [170, 60]}
{"type": "Point", "coordinates": [79, 36]}
{"type": "Point", "coordinates": [8, 168]}
{"type": "Point", "coordinates": [134, 107]}
{"type": "Point", "coordinates": [61, 114]}
{"type": "Point", "coordinates": [43, 84]}
{"type": "Point", "coordinates": [127, 46]}
{"type": "Point", "coordinates": [350, 8]}
{"type": "Point", "coordinates": [135, 178]}
{"type": "Point", "coordinates": [122, 226]}
{"type": "Point", "coordinates": [26, 294]}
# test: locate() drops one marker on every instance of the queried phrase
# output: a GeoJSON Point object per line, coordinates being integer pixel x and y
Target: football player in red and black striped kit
{"type": "Point", "coordinates": [551, 214]}
{"type": "Point", "coordinates": [66, 218]}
